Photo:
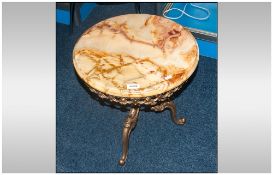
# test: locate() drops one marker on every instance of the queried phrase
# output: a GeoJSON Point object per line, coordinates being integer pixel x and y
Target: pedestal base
{"type": "Point", "coordinates": [131, 120]}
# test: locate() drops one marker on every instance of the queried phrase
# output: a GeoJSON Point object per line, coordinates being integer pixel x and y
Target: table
{"type": "Point", "coordinates": [135, 61]}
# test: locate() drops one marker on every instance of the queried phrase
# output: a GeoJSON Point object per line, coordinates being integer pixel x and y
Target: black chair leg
{"type": "Point", "coordinates": [72, 11]}
{"type": "Point", "coordinates": [137, 7]}
{"type": "Point", "coordinates": [157, 9]}
{"type": "Point", "coordinates": [77, 18]}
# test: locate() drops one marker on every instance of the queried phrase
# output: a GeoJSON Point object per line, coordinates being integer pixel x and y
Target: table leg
{"type": "Point", "coordinates": [128, 125]}
{"type": "Point", "coordinates": [170, 105]}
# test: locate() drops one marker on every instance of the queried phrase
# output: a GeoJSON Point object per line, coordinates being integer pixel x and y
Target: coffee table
{"type": "Point", "coordinates": [135, 61]}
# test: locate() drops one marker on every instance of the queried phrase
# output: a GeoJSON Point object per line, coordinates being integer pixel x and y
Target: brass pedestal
{"type": "Point", "coordinates": [131, 120]}
{"type": "Point", "coordinates": [156, 103]}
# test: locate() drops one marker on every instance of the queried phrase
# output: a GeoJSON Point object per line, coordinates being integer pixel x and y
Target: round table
{"type": "Point", "coordinates": [136, 60]}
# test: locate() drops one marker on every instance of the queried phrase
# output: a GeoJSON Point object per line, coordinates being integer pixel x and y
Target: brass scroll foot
{"type": "Point", "coordinates": [128, 125]}
{"type": "Point", "coordinates": [170, 105]}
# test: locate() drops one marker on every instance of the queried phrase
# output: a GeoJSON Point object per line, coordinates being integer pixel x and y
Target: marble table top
{"type": "Point", "coordinates": [135, 55]}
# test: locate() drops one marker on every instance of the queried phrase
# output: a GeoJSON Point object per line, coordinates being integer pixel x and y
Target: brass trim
{"type": "Point", "coordinates": [136, 101]}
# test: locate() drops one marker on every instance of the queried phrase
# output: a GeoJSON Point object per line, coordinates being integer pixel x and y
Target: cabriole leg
{"type": "Point", "coordinates": [129, 124]}
{"type": "Point", "coordinates": [171, 106]}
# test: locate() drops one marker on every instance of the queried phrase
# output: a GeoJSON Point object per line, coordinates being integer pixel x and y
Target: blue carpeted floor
{"type": "Point", "coordinates": [89, 134]}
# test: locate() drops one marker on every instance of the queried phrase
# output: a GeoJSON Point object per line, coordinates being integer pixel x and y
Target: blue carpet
{"type": "Point", "coordinates": [89, 134]}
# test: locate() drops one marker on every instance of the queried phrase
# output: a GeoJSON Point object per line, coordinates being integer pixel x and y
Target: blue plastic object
{"type": "Point", "coordinates": [206, 48]}
{"type": "Point", "coordinates": [86, 9]}
{"type": "Point", "coordinates": [209, 25]}
{"type": "Point", "coordinates": [63, 16]}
